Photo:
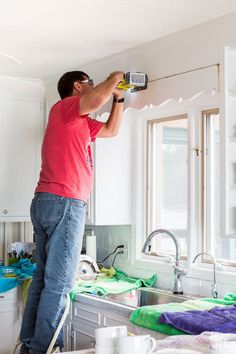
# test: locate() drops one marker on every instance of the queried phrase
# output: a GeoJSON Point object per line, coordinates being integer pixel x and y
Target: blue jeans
{"type": "Point", "coordinates": [58, 229]}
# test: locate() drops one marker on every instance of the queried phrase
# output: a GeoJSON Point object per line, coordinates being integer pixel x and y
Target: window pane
{"type": "Point", "coordinates": [224, 249]}
{"type": "Point", "coordinates": [167, 182]}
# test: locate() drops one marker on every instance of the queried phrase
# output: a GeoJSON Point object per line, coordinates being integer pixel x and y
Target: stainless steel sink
{"type": "Point", "coordinates": [146, 296]}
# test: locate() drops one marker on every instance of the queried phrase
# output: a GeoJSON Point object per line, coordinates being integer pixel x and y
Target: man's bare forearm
{"type": "Point", "coordinates": [100, 95]}
{"type": "Point", "coordinates": [112, 126]}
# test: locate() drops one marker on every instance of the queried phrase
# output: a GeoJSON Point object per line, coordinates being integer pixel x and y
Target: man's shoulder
{"type": "Point", "coordinates": [67, 101]}
{"type": "Point", "coordinates": [67, 104]}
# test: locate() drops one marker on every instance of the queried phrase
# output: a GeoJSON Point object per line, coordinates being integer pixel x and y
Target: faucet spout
{"type": "Point", "coordinates": [213, 287]}
{"type": "Point", "coordinates": [178, 270]}
{"type": "Point", "coordinates": [160, 231]}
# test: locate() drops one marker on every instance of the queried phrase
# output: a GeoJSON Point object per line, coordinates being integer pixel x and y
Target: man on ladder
{"type": "Point", "coordinates": [59, 205]}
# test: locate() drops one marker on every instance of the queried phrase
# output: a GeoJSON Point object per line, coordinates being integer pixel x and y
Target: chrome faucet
{"type": "Point", "coordinates": [178, 270]}
{"type": "Point", "coordinates": [214, 291]}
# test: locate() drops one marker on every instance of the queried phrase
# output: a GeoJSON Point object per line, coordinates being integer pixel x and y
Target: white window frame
{"type": "Point", "coordinates": [193, 108]}
{"type": "Point", "coordinates": [228, 263]}
{"type": "Point", "coordinates": [150, 124]}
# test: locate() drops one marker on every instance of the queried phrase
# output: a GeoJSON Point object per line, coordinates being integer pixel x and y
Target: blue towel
{"type": "Point", "coordinates": [23, 269]}
{"type": "Point", "coordinates": [218, 319]}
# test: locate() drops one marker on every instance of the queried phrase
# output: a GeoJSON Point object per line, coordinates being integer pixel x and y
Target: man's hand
{"type": "Point", "coordinates": [118, 93]}
{"type": "Point", "coordinates": [93, 99]}
{"type": "Point", "coordinates": [119, 75]}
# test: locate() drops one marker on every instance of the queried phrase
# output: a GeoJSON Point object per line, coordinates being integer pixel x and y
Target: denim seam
{"type": "Point", "coordinates": [66, 246]}
{"type": "Point", "coordinates": [65, 264]}
{"type": "Point", "coordinates": [66, 260]}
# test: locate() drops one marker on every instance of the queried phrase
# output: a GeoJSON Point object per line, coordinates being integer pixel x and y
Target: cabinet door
{"type": "Point", "coordinates": [9, 320]}
{"type": "Point", "coordinates": [67, 331]}
{"type": "Point", "coordinates": [85, 319]}
{"type": "Point", "coordinates": [113, 175]}
{"type": "Point", "coordinates": [82, 337]}
{"type": "Point", "coordinates": [20, 141]}
{"type": "Point", "coordinates": [7, 324]}
{"type": "Point", "coordinates": [109, 320]}
{"type": "Point", "coordinates": [67, 337]}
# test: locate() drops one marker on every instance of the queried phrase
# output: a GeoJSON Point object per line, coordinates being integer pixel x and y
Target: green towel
{"type": "Point", "coordinates": [229, 299]}
{"type": "Point", "coordinates": [108, 272]}
{"type": "Point", "coordinates": [25, 288]}
{"type": "Point", "coordinates": [148, 316]}
{"type": "Point", "coordinates": [103, 285]}
{"type": "Point", "coordinates": [141, 282]}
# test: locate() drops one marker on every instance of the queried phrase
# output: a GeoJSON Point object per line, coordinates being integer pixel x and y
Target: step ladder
{"type": "Point", "coordinates": [54, 338]}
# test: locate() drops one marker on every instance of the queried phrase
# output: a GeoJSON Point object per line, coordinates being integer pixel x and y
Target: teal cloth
{"type": "Point", "coordinates": [20, 271]}
{"type": "Point", "coordinates": [103, 285]}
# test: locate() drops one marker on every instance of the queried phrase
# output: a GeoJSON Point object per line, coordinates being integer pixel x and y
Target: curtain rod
{"type": "Point", "coordinates": [188, 71]}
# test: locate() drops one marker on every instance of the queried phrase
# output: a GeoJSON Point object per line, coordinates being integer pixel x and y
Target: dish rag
{"type": "Point", "coordinates": [117, 284]}
{"type": "Point", "coordinates": [217, 319]}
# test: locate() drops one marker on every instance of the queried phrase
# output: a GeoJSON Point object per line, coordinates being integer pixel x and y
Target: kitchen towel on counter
{"type": "Point", "coordinates": [148, 316]}
{"type": "Point", "coordinates": [229, 299]}
{"type": "Point", "coordinates": [107, 272]}
{"type": "Point", "coordinates": [143, 282]}
{"type": "Point", "coordinates": [217, 319]}
{"type": "Point", "coordinates": [117, 284]}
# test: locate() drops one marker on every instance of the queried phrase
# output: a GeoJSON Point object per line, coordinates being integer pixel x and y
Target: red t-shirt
{"type": "Point", "coordinates": [67, 166]}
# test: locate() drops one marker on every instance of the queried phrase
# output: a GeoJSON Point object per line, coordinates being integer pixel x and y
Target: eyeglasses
{"type": "Point", "coordinates": [87, 81]}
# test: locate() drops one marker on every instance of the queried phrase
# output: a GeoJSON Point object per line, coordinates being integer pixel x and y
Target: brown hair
{"type": "Point", "coordinates": [66, 82]}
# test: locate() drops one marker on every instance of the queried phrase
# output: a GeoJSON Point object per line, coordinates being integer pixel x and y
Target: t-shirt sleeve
{"type": "Point", "coordinates": [70, 109]}
{"type": "Point", "coordinates": [94, 127]}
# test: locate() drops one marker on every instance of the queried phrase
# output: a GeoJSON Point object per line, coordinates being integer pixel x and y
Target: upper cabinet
{"type": "Point", "coordinates": [21, 122]}
{"type": "Point", "coordinates": [229, 153]}
{"type": "Point", "coordinates": [113, 175]}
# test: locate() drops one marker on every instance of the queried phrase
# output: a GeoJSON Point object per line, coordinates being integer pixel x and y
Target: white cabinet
{"type": "Point", "coordinates": [113, 185]}
{"type": "Point", "coordinates": [21, 121]}
{"type": "Point", "coordinates": [90, 312]}
{"type": "Point", "coordinates": [88, 315]}
{"type": "Point", "coordinates": [10, 320]}
{"type": "Point", "coordinates": [85, 319]}
{"type": "Point", "coordinates": [229, 155]}
{"type": "Point", "coordinates": [67, 331]}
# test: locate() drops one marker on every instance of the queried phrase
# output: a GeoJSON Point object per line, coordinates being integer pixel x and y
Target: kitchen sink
{"type": "Point", "coordinates": [147, 296]}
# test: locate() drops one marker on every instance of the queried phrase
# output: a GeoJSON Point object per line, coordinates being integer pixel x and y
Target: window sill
{"type": "Point", "coordinates": [201, 272]}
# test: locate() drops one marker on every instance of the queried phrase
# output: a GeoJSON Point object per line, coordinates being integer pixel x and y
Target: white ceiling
{"type": "Point", "coordinates": [42, 38]}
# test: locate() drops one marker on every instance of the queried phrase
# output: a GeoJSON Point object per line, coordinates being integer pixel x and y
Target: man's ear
{"type": "Point", "coordinates": [77, 86]}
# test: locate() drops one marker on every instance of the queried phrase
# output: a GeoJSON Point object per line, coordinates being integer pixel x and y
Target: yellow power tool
{"type": "Point", "coordinates": [135, 81]}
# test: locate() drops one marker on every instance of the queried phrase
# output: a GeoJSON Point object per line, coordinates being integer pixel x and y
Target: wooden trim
{"type": "Point", "coordinates": [167, 119]}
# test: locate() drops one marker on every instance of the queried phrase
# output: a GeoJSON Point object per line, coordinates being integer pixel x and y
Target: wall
{"type": "Point", "coordinates": [199, 46]}
{"type": "Point", "coordinates": [108, 238]}
{"type": "Point", "coordinates": [196, 47]}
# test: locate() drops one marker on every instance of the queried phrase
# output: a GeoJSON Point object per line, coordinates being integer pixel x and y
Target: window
{"type": "Point", "coordinates": [172, 141]}
{"type": "Point", "coordinates": [223, 248]}
{"type": "Point", "coordinates": [167, 176]}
